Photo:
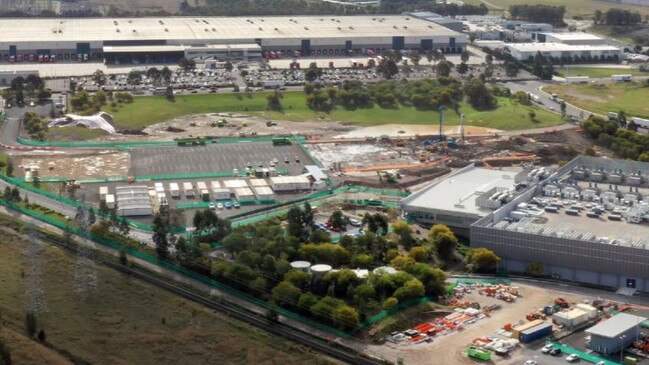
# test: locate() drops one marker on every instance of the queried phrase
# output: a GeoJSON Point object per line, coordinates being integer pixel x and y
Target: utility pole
{"type": "Point", "coordinates": [34, 293]}
{"type": "Point", "coordinates": [85, 272]}
{"type": "Point", "coordinates": [462, 126]}
{"type": "Point", "coordinates": [441, 120]}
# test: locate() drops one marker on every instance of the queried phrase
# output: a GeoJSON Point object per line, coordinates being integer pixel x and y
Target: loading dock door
{"type": "Point", "coordinates": [630, 283]}
{"type": "Point", "coordinates": [13, 50]}
{"type": "Point", "coordinates": [398, 43]}
{"type": "Point", "coordinates": [426, 44]}
{"type": "Point", "coordinates": [306, 46]}
{"type": "Point", "coordinates": [348, 45]}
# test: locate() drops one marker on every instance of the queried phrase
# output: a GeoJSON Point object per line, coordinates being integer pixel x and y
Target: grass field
{"type": "Point", "coordinates": [573, 7]}
{"type": "Point", "coordinates": [599, 72]}
{"type": "Point", "coordinates": [28, 352]}
{"type": "Point", "coordinates": [73, 133]}
{"type": "Point", "coordinates": [631, 35]}
{"type": "Point", "coordinates": [630, 97]}
{"type": "Point", "coordinates": [148, 110]}
{"type": "Point", "coordinates": [129, 322]}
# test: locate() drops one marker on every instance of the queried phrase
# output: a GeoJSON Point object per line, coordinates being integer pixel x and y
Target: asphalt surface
{"type": "Point", "coordinates": [546, 102]}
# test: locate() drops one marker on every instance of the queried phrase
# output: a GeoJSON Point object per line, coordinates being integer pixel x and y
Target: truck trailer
{"type": "Point", "coordinates": [188, 188]}
{"type": "Point", "coordinates": [622, 77]}
{"type": "Point", "coordinates": [174, 190]}
{"type": "Point", "coordinates": [202, 191]}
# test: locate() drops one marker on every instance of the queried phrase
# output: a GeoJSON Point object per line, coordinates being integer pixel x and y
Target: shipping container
{"type": "Point", "coordinates": [577, 79]}
{"type": "Point", "coordinates": [221, 194]}
{"type": "Point", "coordinates": [516, 331]}
{"type": "Point", "coordinates": [535, 333]}
{"type": "Point", "coordinates": [572, 212]}
{"type": "Point", "coordinates": [623, 77]}
{"type": "Point", "coordinates": [551, 209]}
{"type": "Point", "coordinates": [189, 189]}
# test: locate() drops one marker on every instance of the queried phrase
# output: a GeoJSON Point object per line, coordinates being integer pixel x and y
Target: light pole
{"type": "Point", "coordinates": [622, 348]}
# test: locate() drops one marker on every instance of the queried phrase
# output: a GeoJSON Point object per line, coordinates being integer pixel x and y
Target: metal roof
{"type": "Point", "coordinates": [234, 29]}
{"type": "Point", "coordinates": [316, 172]}
{"type": "Point", "coordinates": [573, 36]}
{"type": "Point", "coordinates": [458, 192]}
{"type": "Point", "coordinates": [557, 47]}
{"type": "Point", "coordinates": [616, 325]}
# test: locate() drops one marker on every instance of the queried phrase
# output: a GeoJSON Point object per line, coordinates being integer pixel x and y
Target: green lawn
{"type": "Point", "coordinates": [73, 133]}
{"type": "Point", "coordinates": [630, 35]}
{"type": "Point", "coordinates": [630, 97]}
{"type": "Point", "coordinates": [149, 110]}
{"type": "Point", "coordinates": [598, 72]}
{"type": "Point", "coordinates": [573, 7]}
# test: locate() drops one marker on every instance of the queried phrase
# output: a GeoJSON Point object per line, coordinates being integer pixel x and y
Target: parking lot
{"type": "Point", "coordinates": [216, 157]}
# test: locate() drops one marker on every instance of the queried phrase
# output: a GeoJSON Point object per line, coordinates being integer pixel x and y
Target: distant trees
{"type": "Point", "coordinates": [187, 64]}
{"type": "Point", "coordinates": [443, 240]}
{"type": "Point", "coordinates": [99, 78]}
{"type": "Point", "coordinates": [538, 13]}
{"type": "Point", "coordinates": [482, 260]}
{"type": "Point", "coordinates": [617, 17]}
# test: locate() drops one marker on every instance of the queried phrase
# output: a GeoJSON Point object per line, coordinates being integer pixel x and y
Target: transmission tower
{"type": "Point", "coordinates": [34, 293]}
{"type": "Point", "coordinates": [85, 272]}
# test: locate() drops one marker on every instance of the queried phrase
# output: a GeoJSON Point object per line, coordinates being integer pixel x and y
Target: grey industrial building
{"type": "Point", "coordinates": [147, 40]}
{"type": "Point", "coordinates": [587, 222]}
{"type": "Point", "coordinates": [615, 333]}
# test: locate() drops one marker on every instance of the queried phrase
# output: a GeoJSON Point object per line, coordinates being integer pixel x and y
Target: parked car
{"type": "Point", "coordinates": [219, 206]}
{"type": "Point", "coordinates": [572, 358]}
{"type": "Point", "coordinates": [547, 348]}
{"type": "Point", "coordinates": [228, 205]}
{"type": "Point", "coordinates": [212, 206]}
{"type": "Point", "coordinates": [236, 205]}
{"type": "Point", "coordinates": [555, 351]}
{"type": "Point", "coordinates": [531, 362]}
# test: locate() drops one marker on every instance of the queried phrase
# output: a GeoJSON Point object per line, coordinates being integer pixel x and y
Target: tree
{"type": "Point", "coordinates": [99, 78]}
{"type": "Point", "coordinates": [465, 56]}
{"type": "Point", "coordinates": [404, 231]}
{"type": "Point", "coordinates": [563, 108]}
{"type": "Point", "coordinates": [274, 101]}
{"type": "Point", "coordinates": [482, 259]}
{"type": "Point", "coordinates": [390, 303]}
{"type": "Point", "coordinates": [160, 235]}
{"type": "Point", "coordinates": [511, 69]}
{"type": "Point", "coordinates": [295, 222]}
{"type": "Point", "coordinates": [30, 324]}
{"type": "Point", "coordinates": [462, 68]}
{"type": "Point", "coordinates": [154, 74]}
{"type": "Point", "coordinates": [597, 17]}
{"type": "Point", "coordinates": [346, 316]}
{"type": "Point", "coordinates": [478, 95]}
{"type": "Point", "coordinates": [442, 239]}
{"type": "Point", "coordinates": [443, 68]}
{"type": "Point", "coordinates": [134, 78]}
{"type": "Point", "coordinates": [542, 67]}
{"type": "Point", "coordinates": [415, 57]}
{"type": "Point", "coordinates": [312, 73]}
{"type": "Point", "coordinates": [489, 59]}
{"type": "Point", "coordinates": [166, 73]}
{"type": "Point", "coordinates": [388, 68]}
{"type": "Point", "coordinates": [488, 72]}
{"type": "Point", "coordinates": [532, 115]}
{"type": "Point", "coordinates": [589, 151]}
{"type": "Point", "coordinates": [307, 215]}
{"type": "Point", "coordinates": [298, 278]}
{"type": "Point", "coordinates": [285, 293]}
{"type": "Point", "coordinates": [534, 269]}
{"type": "Point", "coordinates": [228, 66]}
{"type": "Point", "coordinates": [338, 220]}
{"type": "Point", "coordinates": [235, 242]}
{"type": "Point", "coordinates": [411, 289]}
{"type": "Point", "coordinates": [187, 64]}
{"type": "Point", "coordinates": [419, 254]}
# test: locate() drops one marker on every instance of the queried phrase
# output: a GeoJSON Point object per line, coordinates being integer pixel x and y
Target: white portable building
{"type": "Point", "coordinates": [103, 191]}
{"type": "Point", "coordinates": [159, 188]}
{"type": "Point", "coordinates": [290, 183]}
{"type": "Point", "coordinates": [221, 194]}
{"type": "Point", "coordinates": [244, 194]}
{"type": "Point", "coordinates": [110, 201]}
{"type": "Point", "coordinates": [215, 185]}
{"type": "Point", "coordinates": [264, 193]}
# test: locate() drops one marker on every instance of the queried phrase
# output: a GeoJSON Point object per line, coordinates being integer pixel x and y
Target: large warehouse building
{"type": "Point", "coordinates": [527, 51]}
{"type": "Point", "coordinates": [168, 39]}
{"type": "Point", "coordinates": [587, 222]}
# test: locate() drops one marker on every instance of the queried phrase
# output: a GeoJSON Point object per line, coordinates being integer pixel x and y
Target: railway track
{"type": "Point", "coordinates": [332, 350]}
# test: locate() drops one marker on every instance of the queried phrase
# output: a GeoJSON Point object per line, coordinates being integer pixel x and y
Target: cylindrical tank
{"type": "Point", "coordinates": [301, 265]}
{"type": "Point", "coordinates": [320, 269]}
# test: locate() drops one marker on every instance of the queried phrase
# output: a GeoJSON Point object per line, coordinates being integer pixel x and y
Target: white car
{"type": "Point", "coordinates": [601, 363]}
{"type": "Point", "coordinates": [219, 206]}
{"type": "Point", "coordinates": [212, 206]}
{"type": "Point", "coordinates": [531, 362]}
{"type": "Point", "coordinates": [547, 348]}
{"type": "Point", "coordinates": [572, 358]}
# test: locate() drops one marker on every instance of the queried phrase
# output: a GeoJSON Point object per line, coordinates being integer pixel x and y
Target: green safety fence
{"type": "Point", "coordinates": [582, 355]}
{"type": "Point", "coordinates": [126, 145]}
{"type": "Point", "coordinates": [310, 156]}
{"type": "Point", "coordinates": [401, 306]}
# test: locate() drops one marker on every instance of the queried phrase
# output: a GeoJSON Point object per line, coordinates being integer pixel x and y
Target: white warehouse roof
{"type": "Point", "coordinates": [222, 28]}
{"type": "Point", "coordinates": [458, 192]}
{"type": "Point", "coordinates": [554, 47]}
{"type": "Point", "coordinates": [573, 36]}
{"type": "Point", "coordinates": [616, 325]}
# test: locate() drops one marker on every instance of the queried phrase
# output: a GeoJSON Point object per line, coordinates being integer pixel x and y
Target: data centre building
{"type": "Point", "coordinates": [588, 222]}
{"type": "Point", "coordinates": [167, 39]}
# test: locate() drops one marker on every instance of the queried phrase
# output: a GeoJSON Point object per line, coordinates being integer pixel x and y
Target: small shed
{"type": "Point", "coordinates": [615, 333]}
{"type": "Point", "coordinates": [243, 194]}
{"type": "Point", "coordinates": [264, 193]}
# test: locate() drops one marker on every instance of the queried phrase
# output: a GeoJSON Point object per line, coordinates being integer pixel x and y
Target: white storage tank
{"type": "Point", "coordinates": [301, 265]}
{"type": "Point", "coordinates": [320, 269]}
{"type": "Point", "coordinates": [384, 270]}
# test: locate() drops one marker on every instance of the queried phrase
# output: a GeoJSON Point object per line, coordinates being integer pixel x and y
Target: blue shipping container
{"type": "Point", "coordinates": [535, 333]}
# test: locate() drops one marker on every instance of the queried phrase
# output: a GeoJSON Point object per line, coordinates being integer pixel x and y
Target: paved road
{"type": "Point", "coordinates": [534, 87]}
